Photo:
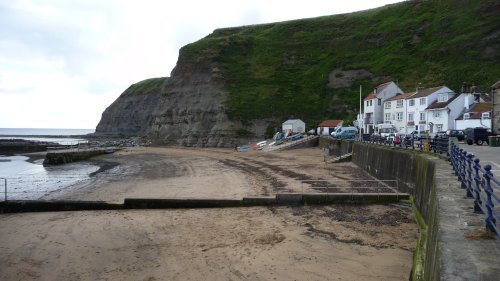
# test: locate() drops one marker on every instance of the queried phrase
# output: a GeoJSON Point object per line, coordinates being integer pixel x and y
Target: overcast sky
{"type": "Point", "coordinates": [63, 62]}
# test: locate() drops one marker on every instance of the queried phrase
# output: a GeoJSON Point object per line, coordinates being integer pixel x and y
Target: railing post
{"type": "Point", "coordinates": [477, 190]}
{"type": "Point", "coordinates": [5, 185]}
{"type": "Point", "coordinates": [490, 219]}
{"type": "Point", "coordinates": [469, 175]}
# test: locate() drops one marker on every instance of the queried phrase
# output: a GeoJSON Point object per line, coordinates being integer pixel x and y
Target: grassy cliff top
{"type": "Point", "coordinates": [147, 86]}
{"type": "Point", "coordinates": [312, 68]}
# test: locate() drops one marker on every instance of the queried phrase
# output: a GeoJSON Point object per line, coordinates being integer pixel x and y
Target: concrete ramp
{"type": "Point", "coordinates": [304, 142]}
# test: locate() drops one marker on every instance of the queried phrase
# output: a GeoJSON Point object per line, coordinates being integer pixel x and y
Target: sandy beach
{"type": "Point", "coordinates": [338, 242]}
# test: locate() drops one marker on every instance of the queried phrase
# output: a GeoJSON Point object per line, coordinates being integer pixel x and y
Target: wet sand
{"type": "Point", "coordinates": [338, 242]}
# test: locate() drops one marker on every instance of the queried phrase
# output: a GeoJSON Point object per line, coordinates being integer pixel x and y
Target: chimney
{"type": "Point", "coordinates": [468, 101]}
{"type": "Point", "coordinates": [419, 87]}
{"type": "Point", "coordinates": [464, 87]}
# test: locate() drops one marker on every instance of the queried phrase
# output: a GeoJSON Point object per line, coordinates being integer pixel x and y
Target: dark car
{"type": "Point", "coordinates": [418, 135]}
{"type": "Point", "coordinates": [476, 135]}
{"type": "Point", "coordinates": [459, 134]}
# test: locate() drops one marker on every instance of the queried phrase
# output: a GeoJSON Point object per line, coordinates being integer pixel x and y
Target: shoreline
{"type": "Point", "coordinates": [352, 242]}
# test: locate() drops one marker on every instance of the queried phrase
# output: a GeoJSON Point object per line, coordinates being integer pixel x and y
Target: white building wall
{"type": "Point", "coordinates": [472, 123]}
{"type": "Point", "coordinates": [420, 108]}
{"type": "Point", "coordinates": [377, 109]}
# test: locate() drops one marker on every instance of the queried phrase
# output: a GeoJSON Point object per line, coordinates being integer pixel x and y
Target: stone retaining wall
{"type": "Point", "coordinates": [447, 252]}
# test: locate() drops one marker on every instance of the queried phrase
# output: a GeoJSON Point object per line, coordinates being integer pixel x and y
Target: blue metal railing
{"type": "Point", "coordinates": [479, 183]}
{"type": "Point", "coordinates": [436, 144]}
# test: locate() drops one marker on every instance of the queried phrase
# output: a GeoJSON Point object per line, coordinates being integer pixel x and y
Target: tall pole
{"type": "Point", "coordinates": [361, 121]}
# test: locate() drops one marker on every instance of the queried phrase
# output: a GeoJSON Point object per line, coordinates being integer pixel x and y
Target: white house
{"type": "Point", "coordinates": [441, 114]}
{"type": "Point", "coordinates": [417, 105]}
{"type": "Point", "coordinates": [294, 125]}
{"type": "Point", "coordinates": [395, 110]}
{"type": "Point", "coordinates": [479, 115]}
{"type": "Point", "coordinates": [326, 127]}
{"type": "Point", "coordinates": [373, 105]}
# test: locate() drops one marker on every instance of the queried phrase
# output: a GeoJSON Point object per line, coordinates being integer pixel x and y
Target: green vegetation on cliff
{"type": "Point", "coordinates": [147, 86]}
{"type": "Point", "coordinates": [282, 69]}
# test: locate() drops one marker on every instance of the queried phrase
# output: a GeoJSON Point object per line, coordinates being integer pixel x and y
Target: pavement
{"type": "Point", "coordinates": [487, 155]}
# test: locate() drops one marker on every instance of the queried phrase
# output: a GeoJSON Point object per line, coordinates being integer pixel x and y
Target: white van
{"type": "Point", "coordinates": [345, 132]}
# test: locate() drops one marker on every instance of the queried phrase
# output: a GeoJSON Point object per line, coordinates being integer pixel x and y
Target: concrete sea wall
{"type": "Point", "coordinates": [446, 216]}
{"type": "Point", "coordinates": [63, 157]}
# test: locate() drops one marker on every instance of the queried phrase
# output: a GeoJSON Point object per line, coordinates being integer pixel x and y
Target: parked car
{"type": "Point", "coordinates": [459, 134]}
{"type": "Point", "coordinates": [442, 134]}
{"type": "Point", "coordinates": [345, 133]}
{"type": "Point", "coordinates": [418, 135]}
{"type": "Point", "coordinates": [476, 135]}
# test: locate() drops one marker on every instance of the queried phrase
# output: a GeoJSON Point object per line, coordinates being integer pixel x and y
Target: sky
{"type": "Point", "coordinates": [62, 63]}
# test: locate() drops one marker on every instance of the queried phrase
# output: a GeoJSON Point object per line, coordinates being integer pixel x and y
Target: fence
{"type": "Point", "coordinates": [479, 183]}
{"type": "Point", "coordinates": [437, 144]}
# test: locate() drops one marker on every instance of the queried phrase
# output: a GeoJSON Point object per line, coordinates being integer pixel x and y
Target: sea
{"type": "Point", "coordinates": [23, 177]}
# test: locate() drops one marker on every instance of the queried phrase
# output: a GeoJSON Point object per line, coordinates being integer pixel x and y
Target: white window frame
{"type": "Point", "coordinates": [485, 115]}
{"type": "Point", "coordinates": [466, 116]}
{"type": "Point", "coordinates": [436, 114]}
{"type": "Point", "coordinates": [410, 116]}
{"type": "Point", "coordinates": [399, 103]}
{"type": "Point", "coordinates": [387, 117]}
{"type": "Point", "coordinates": [442, 97]}
{"type": "Point", "coordinates": [422, 116]}
{"type": "Point", "coordinates": [422, 101]}
{"type": "Point", "coordinates": [387, 104]}
{"type": "Point", "coordinates": [439, 127]}
{"type": "Point", "coordinates": [399, 116]}
{"type": "Point", "coordinates": [412, 102]}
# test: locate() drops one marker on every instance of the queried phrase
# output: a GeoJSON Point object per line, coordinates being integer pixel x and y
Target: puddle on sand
{"type": "Point", "coordinates": [27, 180]}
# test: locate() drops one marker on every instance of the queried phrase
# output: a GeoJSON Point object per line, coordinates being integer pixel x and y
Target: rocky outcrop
{"type": "Point", "coordinates": [186, 109]}
{"type": "Point", "coordinates": [191, 108]}
{"type": "Point", "coordinates": [131, 113]}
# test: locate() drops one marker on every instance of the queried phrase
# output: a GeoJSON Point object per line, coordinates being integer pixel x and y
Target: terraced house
{"type": "Point", "coordinates": [395, 111]}
{"type": "Point", "coordinates": [373, 105]}
{"type": "Point", "coordinates": [417, 105]}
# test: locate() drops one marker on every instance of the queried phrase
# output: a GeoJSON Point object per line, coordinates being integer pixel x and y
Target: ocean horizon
{"type": "Point", "coordinates": [44, 132]}
{"type": "Point", "coordinates": [30, 179]}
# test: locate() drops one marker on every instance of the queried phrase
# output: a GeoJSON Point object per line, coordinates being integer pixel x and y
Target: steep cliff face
{"type": "Point", "coordinates": [239, 83]}
{"type": "Point", "coordinates": [190, 111]}
{"type": "Point", "coordinates": [131, 113]}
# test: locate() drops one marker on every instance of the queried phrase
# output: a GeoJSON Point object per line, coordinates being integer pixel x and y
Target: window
{"type": "Point", "coordinates": [387, 104]}
{"type": "Point", "coordinates": [439, 127]}
{"type": "Point", "coordinates": [410, 116]}
{"type": "Point", "coordinates": [399, 103]}
{"type": "Point", "coordinates": [422, 101]}
{"type": "Point", "coordinates": [412, 102]}
{"type": "Point", "coordinates": [371, 102]}
{"type": "Point", "coordinates": [422, 116]}
{"type": "Point", "coordinates": [387, 117]}
{"type": "Point", "coordinates": [485, 115]}
{"type": "Point", "coordinates": [436, 114]}
{"type": "Point", "coordinates": [399, 116]}
{"type": "Point", "coordinates": [466, 116]}
{"type": "Point", "coordinates": [379, 102]}
{"type": "Point", "coordinates": [367, 103]}
{"type": "Point", "coordinates": [442, 97]}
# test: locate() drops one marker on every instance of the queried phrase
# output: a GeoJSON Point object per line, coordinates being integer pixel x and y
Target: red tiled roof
{"type": "Point", "coordinates": [477, 110]}
{"type": "Point", "coordinates": [401, 96]}
{"type": "Point", "coordinates": [330, 123]}
{"type": "Point", "coordinates": [371, 96]}
{"type": "Point", "coordinates": [379, 88]}
{"type": "Point", "coordinates": [426, 92]}
{"type": "Point", "coordinates": [440, 105]}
